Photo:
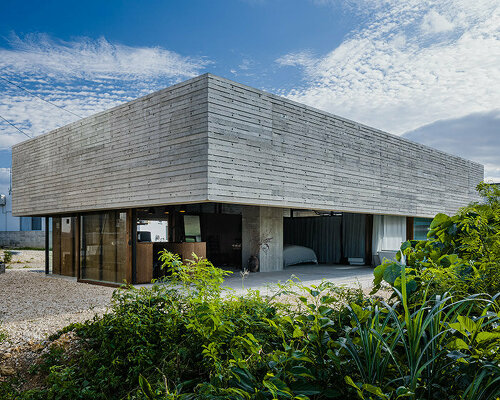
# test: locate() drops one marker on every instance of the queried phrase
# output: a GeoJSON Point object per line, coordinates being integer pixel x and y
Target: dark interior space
{"type": "Point", "coordinates": [222, 233]}
{"type": "Point", "coordinates": [191, 226]}
{"type": "Point", "coordinates": [334, 237]}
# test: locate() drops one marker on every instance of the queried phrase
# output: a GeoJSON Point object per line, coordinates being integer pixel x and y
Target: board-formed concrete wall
{"type": "Point", "coordinates": [267, 150]}
{"type": "Point", "coordinates": [262, 236]}
{"type": "Point", "coordinates": [145, 152]}
{"type": "Point", "coordinates": [211, 139]}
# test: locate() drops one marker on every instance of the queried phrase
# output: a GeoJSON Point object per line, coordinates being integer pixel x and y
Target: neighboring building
{"type": "Point", "coordinates": [233, 172]}
{"type": "Point", "coordinates": [18, 232]}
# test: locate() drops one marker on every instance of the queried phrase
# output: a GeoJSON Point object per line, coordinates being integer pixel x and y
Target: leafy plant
{"type": "Point", "coordinates": [462, 252]}
{"type": "Point", "coordinates": [7, 257]}
{"type": "Point", "coordinates": [412, 350]}
{"type": "Point", "coordinates": [187, 337]}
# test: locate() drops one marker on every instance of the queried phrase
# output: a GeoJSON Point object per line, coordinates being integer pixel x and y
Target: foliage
{"type": "Point", "coordinates": [189, 338]}
{"type": "Point", "coordinates": [3, 334]}
{"type": "Point", "coordinates": [435, 349]}
{"type": "Point", "coordinates": [7, 256]}
{"type": "Point", "coordinates": [462, 252]}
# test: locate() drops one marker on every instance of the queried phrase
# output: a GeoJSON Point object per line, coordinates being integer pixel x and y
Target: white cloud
{"type": "Point", "coordinates": [434, 22]}
{"type": "Point", "coordinates": [4, 180]}
{"type": "Point", "coordinates": [246, 64]}
{"type": "Point", "coordinates": [391, 75]}
{"type": "Point", "coordinates": [4, 175]}
{"type": "Point", "coordinates": [85, 58]}
{"type": "Point", "coordinates": [301, 58]}
{"type": "Point", "coordinates": [8, 140]}
{"type": "Point", "coordinates": [83, 76]}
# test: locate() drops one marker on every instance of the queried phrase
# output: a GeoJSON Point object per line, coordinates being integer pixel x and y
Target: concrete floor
{"type": "Point", "coordinates": [308, 274]}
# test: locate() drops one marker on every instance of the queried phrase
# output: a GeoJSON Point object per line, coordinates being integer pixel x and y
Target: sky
{"type": "Point", "coordinates": [426, 70]}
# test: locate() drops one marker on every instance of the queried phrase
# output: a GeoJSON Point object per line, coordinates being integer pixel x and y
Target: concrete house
{"type": "Point", "coordinates": [232, 172]}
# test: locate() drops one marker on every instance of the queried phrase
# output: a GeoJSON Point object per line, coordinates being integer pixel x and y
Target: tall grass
{"type": "Point", "coordinates": [410, 350]}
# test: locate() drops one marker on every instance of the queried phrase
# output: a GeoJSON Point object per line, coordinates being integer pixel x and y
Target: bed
{"type": "Point", "coordinates": [293, 255]}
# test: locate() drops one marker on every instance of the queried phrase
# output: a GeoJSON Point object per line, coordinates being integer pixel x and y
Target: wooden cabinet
{"type": "Point", "coordinates": [148, 253]}
{"type": "Point", "coordinates": [144, 263]}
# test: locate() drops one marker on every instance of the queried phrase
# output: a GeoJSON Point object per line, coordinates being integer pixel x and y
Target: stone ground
{"type": "Point", "coordinates": [26, 259]}
{"type": "Point", "coordinates": [307, 275]}
{"type": "Point", "coordinates": [34, 306]}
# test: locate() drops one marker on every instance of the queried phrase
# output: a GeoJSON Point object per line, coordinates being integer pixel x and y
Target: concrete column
{"type": "Point", "coordinates": [262, 235]}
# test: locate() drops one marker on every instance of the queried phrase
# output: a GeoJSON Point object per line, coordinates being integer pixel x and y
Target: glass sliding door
{"type": "Point", "coordinates": [64, 246]}
{"type": "Point", "coordinates": [104, 247]}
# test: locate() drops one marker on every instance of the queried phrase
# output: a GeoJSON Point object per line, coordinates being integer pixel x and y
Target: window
{"type": "Point", "coordinates": [25, 224]}
{"type": "Point", "coordinates": [36, 223]}
{"type": "Point", "coordinates": [192, 231]}
{"type": "Point", "coordinates": [104, 245]}
{"type": "Point", "coordinates": [421, 227]}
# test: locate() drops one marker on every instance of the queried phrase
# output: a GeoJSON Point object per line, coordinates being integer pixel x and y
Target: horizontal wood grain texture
{"type": "Point", "coordinates": [211, 139]}
{"type": "Point", "coordinates": [152, 150]}
{"type": "Point", "coordinates": [267, 150]}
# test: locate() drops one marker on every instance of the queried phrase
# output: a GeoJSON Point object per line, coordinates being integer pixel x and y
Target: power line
{"type": "Point", "coordinates": [19, 129]}
{"type": "Point", "coordinates": [41, 98]}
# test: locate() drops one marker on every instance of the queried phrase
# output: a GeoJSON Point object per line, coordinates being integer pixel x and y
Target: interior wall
{"type": "Point", "coordinates": [334, 238]}
{"type": "Point", "coordinates": [222, 233]}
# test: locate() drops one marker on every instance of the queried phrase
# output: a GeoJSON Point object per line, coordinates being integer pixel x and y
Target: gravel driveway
{"type": "Point", "coordinates": [33, 306]}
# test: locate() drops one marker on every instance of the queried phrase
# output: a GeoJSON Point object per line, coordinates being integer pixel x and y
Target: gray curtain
{"type": "Point", "coordinates": [322, 234]}
{"type": "Point", "coordinates": [353, 234]}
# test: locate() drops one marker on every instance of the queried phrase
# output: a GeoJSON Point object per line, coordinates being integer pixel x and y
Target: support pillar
{"type": "Point", "coordinates": [262, 235]}
{"type": "Point", "coordinates": [47, 245]}
{"type": "Point", "coordinates": [133, 243]}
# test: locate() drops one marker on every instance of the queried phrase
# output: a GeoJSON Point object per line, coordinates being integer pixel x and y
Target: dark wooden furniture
{"type": "Point", "coordinates": [148, 266]}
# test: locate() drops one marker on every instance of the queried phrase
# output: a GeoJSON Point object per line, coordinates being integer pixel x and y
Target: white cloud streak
{"type": "Point", "coordinates": [433, 22]}
{"type": "Point", "coordinates": [84, 76]}
{"type": "Point", "coordinates": [99, 58]}
{"type": "Point", "coordinates": [4, 180]}
{"type": "Point", "coordinates": [412, 63]}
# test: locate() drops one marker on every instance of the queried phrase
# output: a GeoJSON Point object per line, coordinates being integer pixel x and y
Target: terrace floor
{"type": "Point", "coordinates": [308, 274]}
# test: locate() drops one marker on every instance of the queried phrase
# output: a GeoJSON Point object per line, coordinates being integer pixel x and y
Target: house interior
{"type": "Point", "coordinates": [117, 246]}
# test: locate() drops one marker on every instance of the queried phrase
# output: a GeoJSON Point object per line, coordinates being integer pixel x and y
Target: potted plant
{"type": "Point", "coordinates": [258, 244]}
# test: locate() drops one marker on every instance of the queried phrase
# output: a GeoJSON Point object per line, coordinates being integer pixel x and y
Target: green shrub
{"type": "Point", "coordinates": [462, 252]}
{"type": "Point", "coordinates": [7, 256]}
{"type": "Point", "coordinates": [437, 348]}
{"type": "Point", "coordinates": [188, 338]}
{"type": "Point", "coordinates": [3, 334]}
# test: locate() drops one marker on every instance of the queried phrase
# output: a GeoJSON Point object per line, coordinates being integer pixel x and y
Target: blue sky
{"type": "Point", "coordinates": [429, 70]}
